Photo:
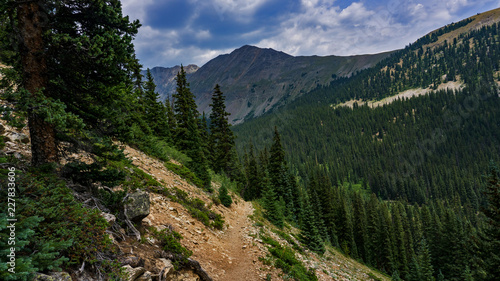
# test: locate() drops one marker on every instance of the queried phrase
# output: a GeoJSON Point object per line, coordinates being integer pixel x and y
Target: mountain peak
{"type": "Point", "coordinates": [249, 49]}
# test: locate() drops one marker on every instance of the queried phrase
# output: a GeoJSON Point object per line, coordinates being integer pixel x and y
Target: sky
{"type": "Point", "coordinates": [186, 32]}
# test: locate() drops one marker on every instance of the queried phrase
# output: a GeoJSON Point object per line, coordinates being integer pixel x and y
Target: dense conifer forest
{"type": "Point", "coordinates": [402, 186]}
{"type": "Point", "coordinates": [410, 188]}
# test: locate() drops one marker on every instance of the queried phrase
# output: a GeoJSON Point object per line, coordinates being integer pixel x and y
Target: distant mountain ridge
{"type": "Point", "coordinates": [255, 80]}
{"type": "Point", "coordinates": [164, 77]}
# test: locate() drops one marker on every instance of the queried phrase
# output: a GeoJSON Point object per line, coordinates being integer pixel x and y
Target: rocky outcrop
{"type": "Point", "coordinates": [136, 206]}
{"type": "Point", "coordinates": [256, 80]}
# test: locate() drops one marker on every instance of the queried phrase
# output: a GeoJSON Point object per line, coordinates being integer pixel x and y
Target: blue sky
{"type": "Point", "coordinates": [196, 31]}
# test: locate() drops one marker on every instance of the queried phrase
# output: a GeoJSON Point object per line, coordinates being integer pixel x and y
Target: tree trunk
{"type": "Point", "coordinates": [35, 79]}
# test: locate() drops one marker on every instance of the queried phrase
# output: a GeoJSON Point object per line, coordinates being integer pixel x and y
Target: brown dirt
{"type": "Point", "coordinates": [230, 254]}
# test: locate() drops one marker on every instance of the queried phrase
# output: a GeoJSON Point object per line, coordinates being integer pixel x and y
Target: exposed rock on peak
{"type": "Point", "coordinates": [255, 80]}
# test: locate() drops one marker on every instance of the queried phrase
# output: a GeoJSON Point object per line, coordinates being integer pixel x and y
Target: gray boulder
{"type": "Point", "coordinates": [133, 273]}
{"type": "Point", "coordinates": [137, 206]}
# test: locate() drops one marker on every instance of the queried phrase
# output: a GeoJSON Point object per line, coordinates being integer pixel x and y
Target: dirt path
{"type": "Point", "coordinates": [228, 255]}
{"type": "Point", "coordinates": [242, 266]}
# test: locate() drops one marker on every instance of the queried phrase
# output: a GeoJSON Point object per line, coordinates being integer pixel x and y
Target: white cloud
{"type": "Point", "coordinates": [318, 27]}
{"type": "Point", "coordinates": [240, 10]}
{"type": "Point", "coordinates": [325, 30]}
{"type": "Point", "coordinates": [136, 9]}
{"type": "Point", "coordinates": [355, 12]}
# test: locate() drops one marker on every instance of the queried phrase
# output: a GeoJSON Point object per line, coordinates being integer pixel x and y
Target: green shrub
{"type": "Point", "coordinates": [286, 260]}
{"type": "Point", "coordinates": [185, 173]}
{"type": "Point", "coordinates": [195, 207]}
{"type": "Point", "coordinates": [170, 242]}
{"type": "Point", "coordinates": [86, 174]}
{"type": "Point", "coordinates": [53, 231]}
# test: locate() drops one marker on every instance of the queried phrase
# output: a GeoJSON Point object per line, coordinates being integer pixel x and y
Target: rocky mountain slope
{"type": "Point", "coordinates": [255, 80]}
{"type": "Point", "coordinates": [237, 252]}
{"type": "Point", "coordinates": [164, 77]}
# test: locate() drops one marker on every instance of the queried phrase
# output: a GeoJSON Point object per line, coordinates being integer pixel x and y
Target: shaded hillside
{"type": "Point", "coordinates": [255, 80]}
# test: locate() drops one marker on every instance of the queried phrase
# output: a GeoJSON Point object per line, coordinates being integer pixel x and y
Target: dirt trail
{"type": "Point", "coordinates": [231, 254]}
{"type": "Point", "coordinates": [242, 266]}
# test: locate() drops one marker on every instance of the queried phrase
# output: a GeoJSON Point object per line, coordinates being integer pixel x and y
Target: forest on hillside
{"type": "Point", "coordinates": [384, 184]}
{"type": "Point", "coordinates": [410, 188]}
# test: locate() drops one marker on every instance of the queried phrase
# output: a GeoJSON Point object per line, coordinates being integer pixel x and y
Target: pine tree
{"type": "Point", "coordinates": [155, 113]}
{"type": "Point", "coordinates": [309, 233]}
{"type": "Point", "coordinates": [424, 260]}
{"type": "Point", "coordinates": [276, 160]}
{"type": "Point", "coordinates": [224, 197]}
{"type": "Point", "coordinates": [254, 185]}
{"type": "Point", "coordinates": [81, 55]}
{"type": "Point", "coordinates": [187, 132]}
{"type": "Point", "coordinates": [271, 204]}
{"type": "Point", "coordinates": [221, 137]}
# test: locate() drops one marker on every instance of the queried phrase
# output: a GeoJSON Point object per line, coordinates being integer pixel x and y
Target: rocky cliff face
{"type": "Point", "coordinates": [164, 78]}
{"type": "Point", "coordinates": [256, 80]}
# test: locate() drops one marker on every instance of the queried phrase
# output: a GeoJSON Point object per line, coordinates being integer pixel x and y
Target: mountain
{"type": "Point", "coordinates": [255, 80]}
{"type": "Point", "coordinates": [164, 77]}
{"type": "Point", "coordinates": [423, 158]}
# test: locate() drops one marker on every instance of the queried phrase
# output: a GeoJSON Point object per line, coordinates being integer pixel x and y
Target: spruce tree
{"type": "Point", "coordinates": [276, 160]}
{"type": "Point", "coordinates": [224, 197]}
{"type": "Point", "coordinates": [155, 113]}
{"type": "Point", "coordinates": [270, 201]}
{"type": "Point", "coordinates": [309, 233]}
{"type": "Point", "coordinates": [253, 189]}
{"type": "Point", "coordinates": [424, 260]}
{"type": "Point", "coordinates": [221, 137]}
{"type": "Point", "coordinates": [80, 54]}
{"type": "Point", "coordinates": [187, 131]}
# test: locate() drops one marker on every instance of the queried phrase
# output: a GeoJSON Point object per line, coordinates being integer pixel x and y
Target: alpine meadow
{"type": "Point", "coordinates": [256, 165]}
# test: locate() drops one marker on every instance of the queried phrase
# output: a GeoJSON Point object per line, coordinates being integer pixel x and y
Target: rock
{"type": "Point", "coordinates": [18, 137]}
{"type": "Point", "coordinates": [54, 276]}
{"type": "Point", "coordinates": [137, 206]}
{"type": "Point", "coordinates": [110, 218]}
{"type": "Point", "coordinates": [147, 222]}
{"type": "Point", "coordinates": [2, 129]}
{"type": "Point", "coordinates": [167, 269]}
{"type": "Point", "coordinates": [133, 273]}
{"type": "Point", "coordinates": [172, 209]}
{"type": "Point", "coordinates": [147, 276]}
{"type": "Point", "coordinates": [133, 261]}
{"type": "Point", "coordinates": [244, 247]}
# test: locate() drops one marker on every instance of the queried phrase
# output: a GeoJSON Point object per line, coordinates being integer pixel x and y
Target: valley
{"type": "Point", "coordinates": [257, 165]}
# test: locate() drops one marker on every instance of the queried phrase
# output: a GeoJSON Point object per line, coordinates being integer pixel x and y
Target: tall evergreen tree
{"type": "Point", "coordinates": [187, 132]}
{"type": "Point", "coordinates": [271, 203]}
{"type": "Point", "coordinates": [309, 232]}
{"type": "Point", "coordinates": [276, 160]}
{"type": "Point", "coordinates": [78, 53]}
{"type": "Point", "coordinates": [155, 112]}
{"type": "Point", "coordinates": [424, 260]}
{"type": "Point", "coordinates": [221, 137]}
{"type": "Point", "coordinates": [253, 189]}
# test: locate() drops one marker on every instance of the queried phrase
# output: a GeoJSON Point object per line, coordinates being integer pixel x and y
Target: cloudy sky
{"type": "Point", "coordinates": [196, 31]}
